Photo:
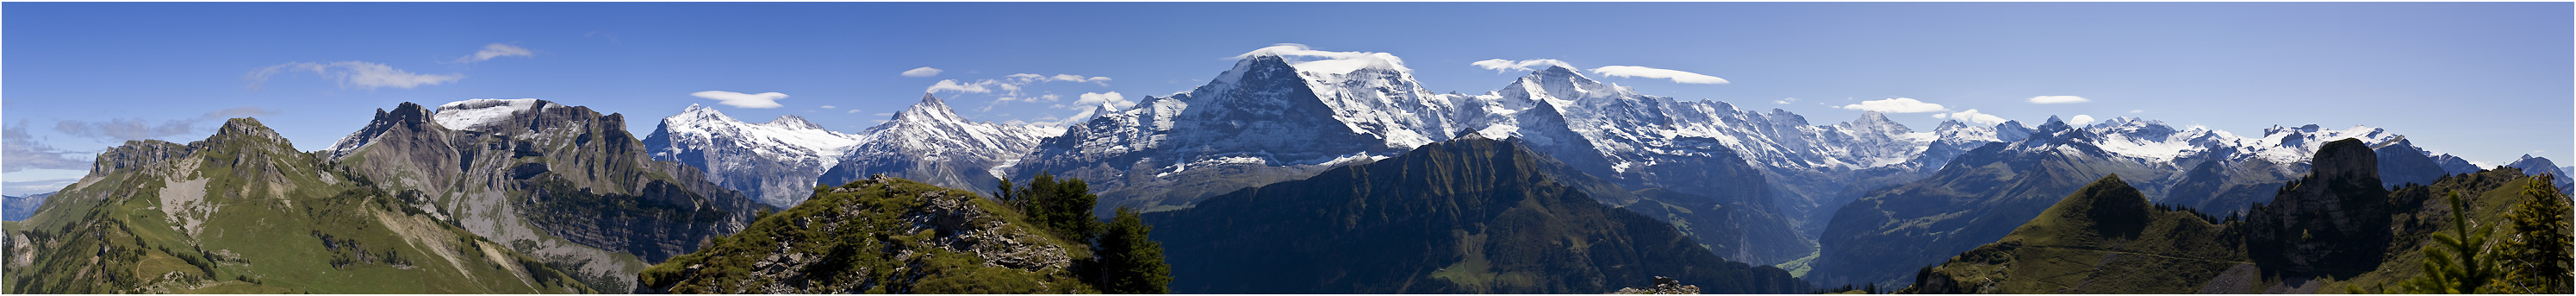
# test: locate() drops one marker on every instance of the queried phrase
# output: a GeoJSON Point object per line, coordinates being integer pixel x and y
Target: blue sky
{"type": "Point", "coordinates": [2487, 81]}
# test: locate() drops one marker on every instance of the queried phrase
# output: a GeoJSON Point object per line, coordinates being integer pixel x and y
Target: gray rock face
{"type": "Point", "coordinates": [2330, 223]}
{"type": "Point", "coordinates": [564, 184]}
{"type": "Point", "coordinates": [964, 228]}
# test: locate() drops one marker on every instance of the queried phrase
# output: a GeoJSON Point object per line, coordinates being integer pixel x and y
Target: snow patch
{"type": "Point", "coordinates": [472, 114]}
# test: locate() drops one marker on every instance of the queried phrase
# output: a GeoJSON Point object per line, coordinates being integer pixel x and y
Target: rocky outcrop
{"type": "Point", "coordinates": [877, 235]}
{"type": "Point", "coordinates": [1663, 285]}
{"type": "Point", "coordinates": [2334, 222]}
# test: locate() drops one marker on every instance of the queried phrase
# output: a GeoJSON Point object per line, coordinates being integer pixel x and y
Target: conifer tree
{"type": "Point", "coordinates": [2537, 254]}
{"type": "Point", "coordinates": [1130, 262]}
{"type": "Point", "coordinates": [2459, 262]}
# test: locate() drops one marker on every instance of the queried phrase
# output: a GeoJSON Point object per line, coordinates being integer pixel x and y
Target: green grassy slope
{"type": "Point", "coordinates": [243, 212]}
{"type": "Point", "coordinates": [2105, 238]}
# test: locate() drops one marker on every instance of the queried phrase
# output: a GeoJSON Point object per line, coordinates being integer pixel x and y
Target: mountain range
{"type": "Point", "coordinates": [1272, 154]}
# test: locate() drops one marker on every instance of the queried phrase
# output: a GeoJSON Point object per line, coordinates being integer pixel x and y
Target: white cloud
{"type": "Point", "coordinates": [760, 100]}
{"type": "Point", "coordinates": [2080, 119]}
{"type": "Point", "coordinates": [829, 107]}
{"type": "Point", "coordinates": [1675, 75]}
{"type": "Point", "coordinates": [22, 152]}
{"type": "Point", "coordinates": [922, 72]}
{"type": "Point", "coordinates": [356, 74]}
{"type": "Point", "coordinates": [1026, 78]}
{"type": "Point", "coordinates": [496, 50]}
{"type": "Point", "coordinates": [953, 85]}
{"type": "Point", "coordinates": [1786, 101]}
{"type": "Point", "coordinates": [1501, 65]}
{"type": "Point", "coordinates": [853, 111]}
{"type": "Point", "coordinates": [2058, 100]}
{"type": "Point", "coordinates": [1972, 116]}
{"type": "Point", "coordinates": [1113, 99]}
{"type": "Point", "coordinates": [2137, 111]}
{"type": "Point", "coordinates": [1010, 85]}
{"type": "Point", "coordinates": [1896, 105]}
{"type": "Point", "coordinates": [1049, 98]}
{"type": "Point", "coordinates": [1336, 62]}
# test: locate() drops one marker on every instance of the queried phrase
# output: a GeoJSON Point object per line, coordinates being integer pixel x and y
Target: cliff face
{"type": "Point", "coordinates": [2334, 222]}
{"type": "Point", "coordinates": [879, 235]}
{"type": "Point", "coordinates": [562, 183]}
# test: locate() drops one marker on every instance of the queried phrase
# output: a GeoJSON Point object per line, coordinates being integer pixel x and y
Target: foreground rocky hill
{"type": "Point", "coordinates": [880, 235]}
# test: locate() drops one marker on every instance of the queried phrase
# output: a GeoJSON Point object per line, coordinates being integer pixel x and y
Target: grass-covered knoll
{"type": "Point", "coordinates": [2105, 238]}
{"type": "Point", "coordinates": [1978, 198]}
{"type": "Point", "coordinates": [2077, 247]}
{"type": "Point", "coordinates": [243, 212]}
{"type": "Point", "coordinates": [1464, 216]}
{"type": "Point", "coordinates": [881, 235]}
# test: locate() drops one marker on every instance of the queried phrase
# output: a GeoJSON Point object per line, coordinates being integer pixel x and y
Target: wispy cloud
{"type": "Point", "coordinates": [496, 50]}
{"type": "Point", "coordinates": [951, 85]}
{"type": "Point", "coordinates": [1335, 62]}
{"type": "Point", "coordinates": [1785, 101]}
{"type": "Point", "coordinates": [2137, 111]}
{"type": "Point", "coordinates": [1896, 105]}
{"type": "Point", "coordinates": [121, 129]}
{"type": "Point", "coordinates": [20, 151]}
{"type": "Point", "coordinates": [1503, 65]}
{"type": "Point", "coordinates": [1675, 75]}
{"type": "Point", "coordinates": [1026, 78]}
{"type": "Point", "coordinates": [922, 72]}
{"type": "Point", "coordinates": [355, 75]}
{"type": "Point", "coordinates": [2058, 100]}
{"type": "Point", "coordinates": [1010, 85]}
{"type": "Point", "coordinates": [759, 101]}
{"type": "Point", "coordinates": [1973, 116]}
{"type": "Point", "coordinates": [1114, 100]}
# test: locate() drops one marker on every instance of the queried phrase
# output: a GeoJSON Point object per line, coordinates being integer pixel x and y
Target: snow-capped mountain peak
{"type": "Point", "coordinates": [931, 110]}
{"type": "Point", "coordinates": [1877, 123]}
{"type": "Point", "coordinates": [793, 122]}
{"type": "Point", "coordinates": [729, 150]}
